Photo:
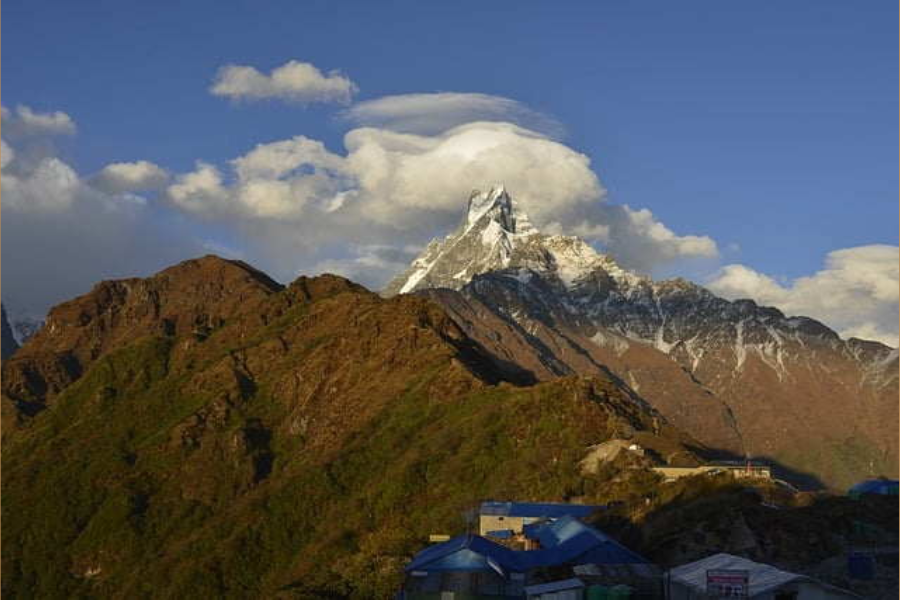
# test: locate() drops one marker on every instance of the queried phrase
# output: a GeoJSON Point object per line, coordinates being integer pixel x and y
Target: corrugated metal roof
{"type": "Point", "coordinates": [564, 529]}
{"type": "Point", "coordinates": [536, 509]}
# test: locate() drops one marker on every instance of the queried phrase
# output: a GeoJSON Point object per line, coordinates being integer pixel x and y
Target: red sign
{"type": "Point", "coordinates": [727, 583]}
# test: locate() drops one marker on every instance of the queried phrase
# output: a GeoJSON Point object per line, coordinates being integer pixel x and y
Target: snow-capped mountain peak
{"type": "Point", "coordinates": [497, 235]}
{"type": "Point", "coordinates": [497, 206]}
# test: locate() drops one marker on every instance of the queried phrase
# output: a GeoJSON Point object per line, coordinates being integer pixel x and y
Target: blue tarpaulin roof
{"type": "Point", "coordinates": [886, 487]}
{"type": "Point", "coordinates": [502, 534]}
{"type": "Point", "coordinates": [548, 510]}
{"type": "Point", "coordinates": [566, 541]}
{"type": "Point", "coordinates": [530, 529]}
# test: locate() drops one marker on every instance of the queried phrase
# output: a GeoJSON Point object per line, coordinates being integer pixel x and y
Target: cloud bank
{"type": "Point", "coordinates": [400, 179]}
{"type": "Point", "coordinates": [856, 292]}
{"type": "Point", "coordinates": [63, 232]}
{"type": "Point", "coordinates": [131, 177]}
{"type": "Point", "coordinates": [430, 114]}
{"type": "Point", "coordinates": [294, 81]}
{"type": "Point", "coordinates": [24, 121]}
{"type": "Point", "coordinates": [398, 189]}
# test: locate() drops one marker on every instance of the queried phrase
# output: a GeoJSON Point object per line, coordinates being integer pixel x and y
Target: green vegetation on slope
{"type": "Point", "coordinates": [309, 455]}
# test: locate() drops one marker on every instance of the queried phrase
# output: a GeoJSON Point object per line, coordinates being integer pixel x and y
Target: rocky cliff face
{"type": "Point", "coordinates": [207, 432]}
{"type": "Point", "coordinates": [741, 377]}
{"type": "Point", "coordinates": [190, 298]}
{"type": "Point", "coordinates": [8, 344]}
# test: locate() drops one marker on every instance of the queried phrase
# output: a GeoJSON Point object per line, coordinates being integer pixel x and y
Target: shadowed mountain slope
{"type": "Point", "coordinates": [8, 344]}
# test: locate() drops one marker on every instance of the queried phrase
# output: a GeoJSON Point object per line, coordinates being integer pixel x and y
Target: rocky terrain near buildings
{"type": "Point", "coordinates": [740, 377]}
{"type": "Point", "coordinates": [809, 533]}
{"type": "Point", "coordinates": [208, 432]}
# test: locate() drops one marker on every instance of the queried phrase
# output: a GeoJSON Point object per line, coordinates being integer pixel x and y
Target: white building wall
{"type": "Point", "coordinates": [807, 590]}
{"type": "Point", "coordinates": [488, 523]}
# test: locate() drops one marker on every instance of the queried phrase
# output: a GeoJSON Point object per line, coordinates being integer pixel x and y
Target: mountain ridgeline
{"type": "Point", "coordinates": [207, 432]}
{"type": "Point", "coordinates": [740, 377]}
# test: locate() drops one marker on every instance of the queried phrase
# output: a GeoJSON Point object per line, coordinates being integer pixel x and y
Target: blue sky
{"type": "Point", "coordinates": [769, 128]}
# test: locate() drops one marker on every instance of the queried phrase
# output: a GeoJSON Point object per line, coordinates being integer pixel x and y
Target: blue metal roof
{"type": "Point", "coordinates": [549, 510]}
{"type": "Point", "coordinates": [465, 553]}
{"type": "Point", "coordinates": [566, 541]}
{"type": "Point", "coordinates": [562, 530]}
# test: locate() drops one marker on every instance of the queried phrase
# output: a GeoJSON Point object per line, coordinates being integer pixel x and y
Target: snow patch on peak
{"type": "Point", "coordinates": [623, 277]}
{"type": "Point", "coordinates": [491, 234]}
{"type": "Point", "coordinates": [659, 341]}
{"type": "Point", "coordinates": [414, 278]}
{"type": "Point", "coordinates": [496, 205]}
{"type": "Point", "coordinates": [740, 352]}
{"type": "Point", "coordinates": [616, 343]}
{"type": "Point", "coordinates": [497, 190]}
{"type": "Point", "coordinates": [572, 257]}
{"type": "Point", "coordinates": [495, 201]}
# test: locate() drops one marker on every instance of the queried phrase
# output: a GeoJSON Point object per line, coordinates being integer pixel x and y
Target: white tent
{"type": "Point", "coordinates": [688, 582]}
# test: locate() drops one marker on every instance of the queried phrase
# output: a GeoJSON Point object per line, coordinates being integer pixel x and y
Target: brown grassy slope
{"type": "Point", "coordinates": [226, 436]}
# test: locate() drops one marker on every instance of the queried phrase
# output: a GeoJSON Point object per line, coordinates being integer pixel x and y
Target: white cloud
{"type": "Point", "coordinates": [856, 293]}
{"type": "Point", "coordinates": [370, 265]}
{"type": "Point", "coordinates": [430, 114]}
{"type": "Point", "coordinates": [7, 154]}
{"type": "Point", "coordinates": [393, 181]}
{"type": "Point", "coordinates": [200, 191]}
{"type": "Point", "coordinates": [293, 81]}
{"type": "Point", "coordinates": [272, 181]}
{"type": "Point", "coordinates": [738, 281]}
{"type": "Point", "coordinates": [50, 187]}
{"type": "Point", "coordinates": [278, 159]}
{"type": "Point", "coordinates": [404, 177]}
{"type": "Point", "coordinates": [27, 122]}
{"type": "Point", "coordinates": [640, 241]}
{"type": "Point", "coordinates": [393, 188]}
{"type": "Point", "coordinates": [131, 177]}
{"type": "Point", "coordinates": [295, 206]}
